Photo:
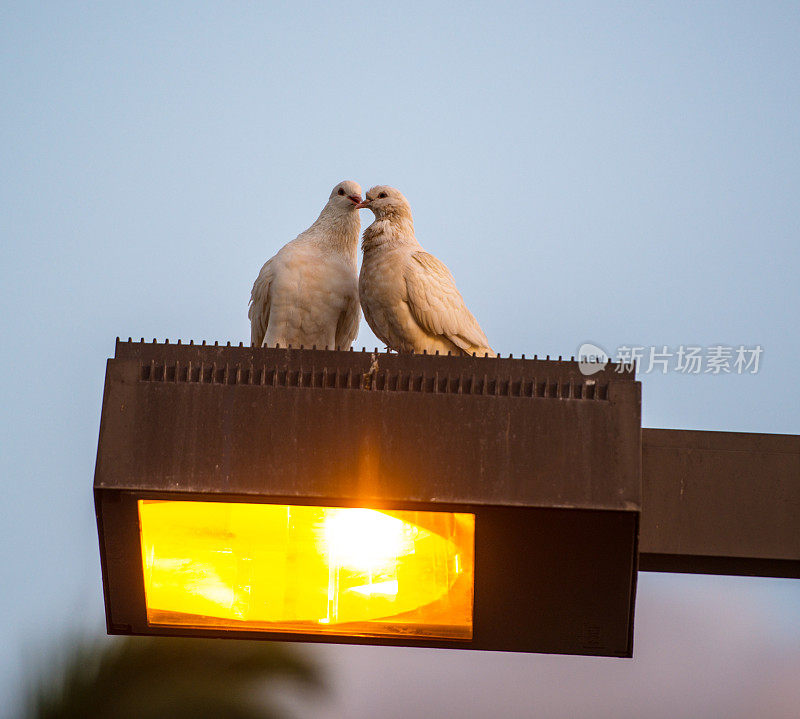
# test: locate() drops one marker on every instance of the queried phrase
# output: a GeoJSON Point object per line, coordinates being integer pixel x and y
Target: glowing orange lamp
{"type": "Point", "coordinates": [307, 569]}
{"type": "Point", "coordinates": [368, 498]}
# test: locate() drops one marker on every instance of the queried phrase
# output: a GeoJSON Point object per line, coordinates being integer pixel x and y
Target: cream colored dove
{"type": "Point", "coordinates": [409, 297]}
{"type": "Point", "coordinates": [307, 294]}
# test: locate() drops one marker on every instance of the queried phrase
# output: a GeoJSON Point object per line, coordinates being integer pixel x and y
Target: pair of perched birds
{"type": "Point", "coordinates": [309, 293]}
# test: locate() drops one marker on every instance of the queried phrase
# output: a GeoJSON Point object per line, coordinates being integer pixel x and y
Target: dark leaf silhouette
{"type": "Point", "coordinates": [156, 678]}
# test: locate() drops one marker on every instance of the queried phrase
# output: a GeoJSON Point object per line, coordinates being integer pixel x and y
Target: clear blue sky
{"type": "Point", "coordinates": [622, 173]}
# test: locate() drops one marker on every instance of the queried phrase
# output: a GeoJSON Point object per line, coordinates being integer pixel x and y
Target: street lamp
{"type": "Point", "coordinates": [354, 497]}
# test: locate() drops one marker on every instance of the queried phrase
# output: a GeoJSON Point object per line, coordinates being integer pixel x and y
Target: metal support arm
{"type": "Point", "coordinates": [720, 503]}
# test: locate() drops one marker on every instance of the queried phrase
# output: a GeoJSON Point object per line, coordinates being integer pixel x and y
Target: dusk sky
{"type": "Point", "coordinates": [625, 174]}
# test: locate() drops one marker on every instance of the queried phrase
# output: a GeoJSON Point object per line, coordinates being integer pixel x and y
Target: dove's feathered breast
{"type": "Point", "coordinates": [410, 298]}
{"type": "Point", "coordinates": [307, 294]}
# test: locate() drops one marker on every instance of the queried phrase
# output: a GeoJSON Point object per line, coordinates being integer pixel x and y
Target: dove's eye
{"type": "Point", "coordinates": [341, 191]}
{"type": "Point", "coordinates": [383, 194]}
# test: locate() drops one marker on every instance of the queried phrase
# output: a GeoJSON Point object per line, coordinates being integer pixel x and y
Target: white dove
{"type": "Point", "coordinates": [307, 294]}
{"type": "Point", "coordinates": [409, 297]}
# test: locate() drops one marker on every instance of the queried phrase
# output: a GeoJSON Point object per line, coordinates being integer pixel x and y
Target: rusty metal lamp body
{"type": "Point", "coordinates": [516, 484]}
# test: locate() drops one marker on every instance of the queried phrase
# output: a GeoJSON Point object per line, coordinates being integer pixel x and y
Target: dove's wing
{"type": "Point", "coordinates": [347, 326]}
{"type": "Point", "coordinates": [438, 307]}
{"type": "Point", "coordinates": [260, 304]}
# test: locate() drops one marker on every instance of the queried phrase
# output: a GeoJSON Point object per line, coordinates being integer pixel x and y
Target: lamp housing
{"type": "Point", "coordinates": [369, 498]}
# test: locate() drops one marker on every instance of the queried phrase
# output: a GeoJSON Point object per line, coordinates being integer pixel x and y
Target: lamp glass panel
{"type": "Point", "coordinates": [308, 569]}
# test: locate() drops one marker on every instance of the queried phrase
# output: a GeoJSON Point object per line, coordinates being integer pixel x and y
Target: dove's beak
{"type": "Point", "coordinates": [363, 205]}
{"type": "Point", "coordinates": [355, 199]}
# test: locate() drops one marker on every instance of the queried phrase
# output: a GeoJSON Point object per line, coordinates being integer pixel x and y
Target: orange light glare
{"type": "Point", "coordinates": [314, 570]}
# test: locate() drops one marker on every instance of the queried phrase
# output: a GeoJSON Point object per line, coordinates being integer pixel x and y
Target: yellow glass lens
{"type": "Point", "coordinates": [315, 570]}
